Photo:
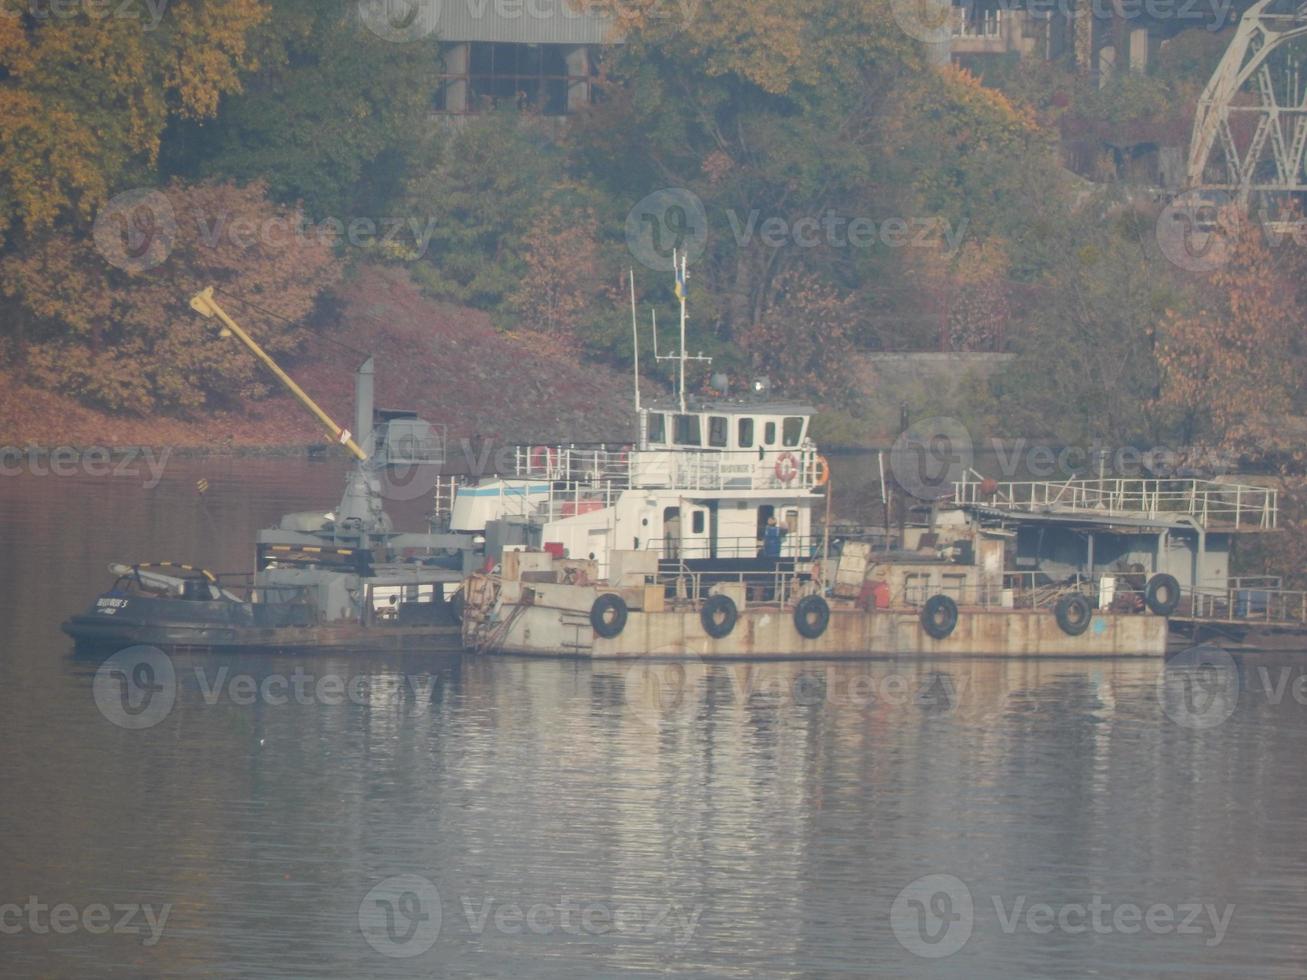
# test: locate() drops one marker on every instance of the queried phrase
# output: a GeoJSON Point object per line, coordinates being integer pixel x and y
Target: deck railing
{"type": "Point", "coordinates": [1210, 504]}
{"type": "Point", "coordinates": [795, 547]}
{"type": "Point", "coordinates": [1280, 608]}
{"type": "Point", "coordinates": [779, 468]}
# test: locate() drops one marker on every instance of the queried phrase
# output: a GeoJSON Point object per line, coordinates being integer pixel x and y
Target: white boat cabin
{"type": "Point", "coordinates": [701, 484]}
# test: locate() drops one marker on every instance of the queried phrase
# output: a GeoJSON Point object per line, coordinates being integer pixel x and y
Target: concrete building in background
{"type": "Point", "coordinates": [539, 55]}
{"type": "Point", "coordinates": [978, 31]}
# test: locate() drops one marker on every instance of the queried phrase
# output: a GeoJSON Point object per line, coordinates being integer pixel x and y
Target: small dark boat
{"type": "Point", "coordinates": [173, 606]}
{"type": "Point", "coordinates": [345, 581]}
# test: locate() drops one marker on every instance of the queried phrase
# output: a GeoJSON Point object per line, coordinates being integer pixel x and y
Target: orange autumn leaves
{"type": "Point", "coordinates": [129, 342]}
{"type": "Point", "coordinates": [1230, 363]}
{"type": "Point", "coordinates": [85, 98]}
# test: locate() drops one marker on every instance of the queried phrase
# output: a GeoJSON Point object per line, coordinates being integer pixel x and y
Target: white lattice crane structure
{"type": "Point", "coordinates": [1250, 131]}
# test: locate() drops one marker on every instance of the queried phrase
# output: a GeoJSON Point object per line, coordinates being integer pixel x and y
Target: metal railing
{"type": "Point", "coordinates": [779, 587]}
{"type": "Point", "coordinates": [796, 547]}
{"type": "Point", "coordinates": [779, 468]}
{"type": "Point", "coordinates": [575, 499]}
{"type": "Point", "coordinates": [1283, 608]}
{"type": "Point", "coordinates": [1210, 504]}
{"type": "Point", "coordinates": [1275, 582]}
{"type": "Point", "coordinates": [574, 464]}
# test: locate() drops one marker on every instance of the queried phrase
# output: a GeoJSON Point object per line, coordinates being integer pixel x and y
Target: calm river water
{"type": "Point", "coordinates": [463, 817]}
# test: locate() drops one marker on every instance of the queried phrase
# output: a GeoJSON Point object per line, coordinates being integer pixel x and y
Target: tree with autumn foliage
{"type": "Point", "coordinates": [810, 115]}
{"type": "Point", "coordinates": [1232, 362]}
{"type": "Point", "coordinates": [565, 286]}
{"type": "Point", "coordinates": [764, 111]}
{"type": "Point", "coordinates": [127, 340]}
{"type": "Point", "coordinates": [1227, 359]}
{"type": "Point", "coordinates": [84, 100]}
{"type": "Point", "coordinates": [482, 188]}
{"type": "Point", "coordinates": [804, 342]}
{"type": "Point", "coordinates": [967, 153]}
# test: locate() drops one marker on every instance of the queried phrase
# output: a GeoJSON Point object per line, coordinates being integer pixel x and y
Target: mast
{"type": "Point", "coordinates": [635, 337]}
{"type": "Point", "coordinates": [680, 292]}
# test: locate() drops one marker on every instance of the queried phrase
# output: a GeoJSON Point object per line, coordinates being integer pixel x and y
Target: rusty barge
{"type": "Point", "coordinates": [711, 538]}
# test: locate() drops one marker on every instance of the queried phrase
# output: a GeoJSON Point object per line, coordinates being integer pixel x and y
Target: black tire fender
{"type": "Point", "coordinates": [1073, 613]}
{"type": "Point", "coordinates": [811, 616]}
{"type": "Point", "coordinates": [719, 616]}
{"type": "Point", "coordinates": [608, 615]}
{"type": "Point", "coordinates": [939, 616]}
{"type": "Point", "coordinates": [1162, 594]}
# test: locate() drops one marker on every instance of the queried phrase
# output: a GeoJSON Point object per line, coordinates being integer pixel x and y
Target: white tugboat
{"type": "Point", "coordinates": [710, 538]}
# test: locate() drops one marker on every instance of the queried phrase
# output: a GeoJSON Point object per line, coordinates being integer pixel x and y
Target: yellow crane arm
{"type": "Point", "coordinates": [204, 304]}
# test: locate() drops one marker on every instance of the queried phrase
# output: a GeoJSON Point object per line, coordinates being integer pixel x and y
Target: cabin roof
{"type": "Point", "coordinates": [1079, 520]}
{"type": "Point", "coordinates": [733, 408]}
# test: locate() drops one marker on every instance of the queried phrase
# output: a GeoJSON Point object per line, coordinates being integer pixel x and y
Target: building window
{"type": "Point", "coordinates": [972, 21]}
{"type": "Point", "coordinates": [746, 433]}
{"type": "Point", "coordinates": [485, 75]}
{"type": "Point", "coordinates": [717, 431]}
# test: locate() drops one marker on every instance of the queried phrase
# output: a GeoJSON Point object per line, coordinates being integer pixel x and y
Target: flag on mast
{"type": "Point", "coordinates": [680, 279]}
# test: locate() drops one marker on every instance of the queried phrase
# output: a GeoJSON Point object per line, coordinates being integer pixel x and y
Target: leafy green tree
{"type": "Point", "coordinates": [1086, 362]}
{"type": "Point", "coordinates": [482, 188]}
{"type": "Point", "coordinates": [332, 118]}
{"type": "Point", "coordinates": [767, 113]}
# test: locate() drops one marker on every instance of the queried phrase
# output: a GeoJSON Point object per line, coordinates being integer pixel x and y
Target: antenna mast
{"type": "Point", "coordinates": [635, 337]}
{"type": "Point", "coordinates": [680, 292]}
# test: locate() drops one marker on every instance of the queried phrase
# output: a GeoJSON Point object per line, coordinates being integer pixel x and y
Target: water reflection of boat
{"type": "Point", "coordinates": [340, 580]}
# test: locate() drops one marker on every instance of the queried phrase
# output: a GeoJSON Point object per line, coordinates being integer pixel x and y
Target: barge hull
{"type": "Point", "coordinates": [852, 633]}
{"type": "Point", "coordinates": [93, 635]}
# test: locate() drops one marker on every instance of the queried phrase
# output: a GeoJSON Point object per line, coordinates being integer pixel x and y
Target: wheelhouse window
{"type": "Point", "coordinates": [746, 434]}
{"type": "Point", "coordinates": [687, 431]}
{"type": "Point", "coordinates": [769, 434]}
{"type": "Point", "coordinates": [656, 428]}
{"type": "Point", "coordinates": [793, 431]}
{"type": "Point", "coordinates": [717, 431]}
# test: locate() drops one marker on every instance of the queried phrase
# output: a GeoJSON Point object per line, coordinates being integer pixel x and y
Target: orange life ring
{"type": "Point", "coordinates": [787, 468]}
{"type": "Point", "coordinates": [543, 459]}
{"type": "Point", "coordinates": [823, 471]}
